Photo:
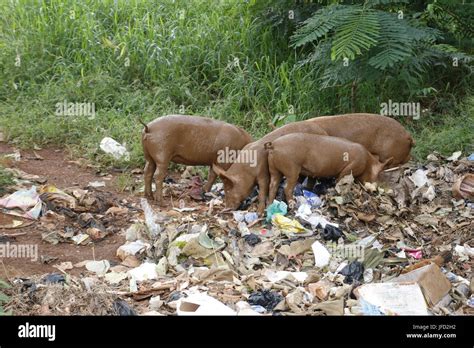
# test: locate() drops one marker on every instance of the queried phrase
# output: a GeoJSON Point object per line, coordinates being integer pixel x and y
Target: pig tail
{"type": "Point", "coordinates": [268, 146]}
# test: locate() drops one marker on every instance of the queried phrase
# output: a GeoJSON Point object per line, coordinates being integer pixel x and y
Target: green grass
{"type": "Point", "coordinates": [450, 133]}
{"type": "Point", "coordinates": [6, 179]}
{"type": "Point", "coordinates": [182, 59]}
{"type": "Point", "coordinates": [4, 298]}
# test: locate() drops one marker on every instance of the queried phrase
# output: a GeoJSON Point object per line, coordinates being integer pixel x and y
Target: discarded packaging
{"type": "Point", "coordinates": [331, 232]}
{"type": "Point", "coordinates": [150, 218]}
{"type": "Point", "coordinates": [115, 277]}
{"type": "Point", "coordinates": [320, 289]}
{"type": "Point", "coordinates": [112, 147]}
{"type": "Point", "coordinates": [312, 198]}
{"type": "Point", "coordinates": [304, 210]}
{"type": "Point", "coordinates": [80, 238]}
{"type": "Point", "coordinates": [335, 307]}
{"type": "Point", "coordinates": [455, 156]}
{"type": "Point", "coordinates": [277, 276]}
{"type": "Point", "coordinates": [243, 308]}
{"type": "Point", "coordinates": [53, 278]}
{"type": "Point", "coordinates": [318, 220]}
{"type": "Point", "coordinates": [392, 299]}
{"type": "Point", "coordinates": [50, 194]}
{"type": "Point", "coordinates": [131, 249]}
{"type": "Point", "coordinates": [276, 207]}
{"type": "Point", "coordinates": [146, 271]}
{"type": "Point", "coordinates": [419, 178]}
{"type": "Point", "coordinates": [238, 216]}
{"type": "Point", "coordinates": [431, 280]}
{"type": "Point", "coordinates": [295, 248]}
{"type": "Point", "coordinates": [321, 255]}
{"type": "Point", "coordinates": [265, 298]}
{"type": "Point", "coordinates": [249, 217]}
{"type": "Point", "coordinates": [208, 243]}
{"type": "Point", "coordinates": [202, 304]}
{"type": "Point", "coordinates": [122, 308]}
{"type": "Point", "coordinates": [134, 232]}
{"type": "Point", "coordinates": [465, 252]}
{"type": "Point", "coordinates": [353, 272]}
{"type": "Point", "coordinates": [24, 203]}
{"type": "Point", "coordinates": [464, 187]}
{"type": "Point", "coordinates": [252, 239]}
{"type": "Point", "coordinates": [96, 184]}
{"type": "Point", "coordinates": [286, 224]}
{"type": "Point", "coordinates": [98, 267]}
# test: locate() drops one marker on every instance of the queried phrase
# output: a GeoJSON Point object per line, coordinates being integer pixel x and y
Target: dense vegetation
{"type": "Point", "coordinates": [246, 62]}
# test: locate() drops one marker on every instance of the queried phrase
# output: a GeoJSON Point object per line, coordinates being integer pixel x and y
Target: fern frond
{"type": "Point", "coordinates": [321, 23]}
{"type": "Point", "coordinates": [394, 45]}
{"type": "Point", "coordinates": [372, 3]}
{"type": "Point", "coordinates": [358, 33]}
{"type": "Point", "coordinates": [398, 39]}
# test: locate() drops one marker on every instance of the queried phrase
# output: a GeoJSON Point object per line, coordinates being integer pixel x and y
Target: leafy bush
{"type": "Point", "coordinates": [3, 298]}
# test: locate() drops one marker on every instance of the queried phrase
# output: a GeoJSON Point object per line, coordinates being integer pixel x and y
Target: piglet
{"type": "Point", "coordinates": [319, 156]}
{"type": "Point", "coordinates": [189, 140]}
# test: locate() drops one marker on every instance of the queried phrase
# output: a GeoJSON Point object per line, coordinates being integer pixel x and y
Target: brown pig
{"type": "Point", "coordinates": [189, 140]}
{"type": "Point", "coordinates": [382, 136]}
{"type": "Point", "coordinates": [241, 177]}
{"type": "Point", "coordinates": [293, 154]}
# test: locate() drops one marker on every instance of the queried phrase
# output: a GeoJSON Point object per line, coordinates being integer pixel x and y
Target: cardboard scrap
{"type": "Point", "coordinates": [394, 298]}
{"type": "Point", "coordinates": [431, 280]}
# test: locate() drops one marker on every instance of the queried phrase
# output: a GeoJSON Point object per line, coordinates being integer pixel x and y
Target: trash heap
{"type": "Point", "coordinates": [73, 215]}
{"type": "Point", "coordinates": [399, 247]}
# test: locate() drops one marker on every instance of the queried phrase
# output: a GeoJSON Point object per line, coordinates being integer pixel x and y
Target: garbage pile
{"type": "Point", "coordinates": [403, 246]}
{"type": "Point", "coordinates": [74, 215]}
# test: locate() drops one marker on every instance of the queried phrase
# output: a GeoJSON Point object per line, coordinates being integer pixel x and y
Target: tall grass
{"type": "Point", "coordinates": [143, 58]}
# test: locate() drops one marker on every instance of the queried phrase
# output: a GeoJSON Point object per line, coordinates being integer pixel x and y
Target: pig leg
{"type": "Point", "coordinates": [262, 194]}
{"type": "Point", "coordinates": [210, 180]}
{"type": "Point", "coordinates": [150, 168]}
{"type": "Point", "coordinates": [275, 179]}
{"type": "Point", "coordinates": [346, 171]}
{"type": "Point", "coordinates": [291, 181]}
{"type": "Point", "coordinates": [291, 174]}
{"type": "Point", "coordinates": [160, 177]}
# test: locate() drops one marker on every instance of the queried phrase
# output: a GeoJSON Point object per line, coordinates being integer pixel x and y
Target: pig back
{"type": "Point", "coordinates": [295, 127]}
{"type": "Point", "coordinates": [193, 140]}
{"type": "Point", "coordinates": [380, 135]}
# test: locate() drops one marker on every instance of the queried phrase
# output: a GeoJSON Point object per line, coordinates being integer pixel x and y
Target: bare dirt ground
{"type": "Point", "coordinates": [62, 172]}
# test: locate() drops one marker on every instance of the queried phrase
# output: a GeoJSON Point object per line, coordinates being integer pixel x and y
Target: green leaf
{"type": "Point", "coordinates": [4, 284]}
{"type": "Point", "coordinates": [358, 34]}
{"type": "Point", "coordinates": [4, 298]}
{"type": "Point", "coordinates": [3, 313]}
{"type": "Point", "coordinates": [321, 23]}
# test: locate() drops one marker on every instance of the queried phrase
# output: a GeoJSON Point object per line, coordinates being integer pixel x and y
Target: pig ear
{"type": "Point", "coordinates": [227, 179]}
{"type": "Point", "coordinates": [387, 162]}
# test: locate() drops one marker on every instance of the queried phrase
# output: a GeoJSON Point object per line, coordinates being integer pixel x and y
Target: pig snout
{"type": "Point", "coordinates": [373, 168]}
{"type": "Point", "coordinates": [233, 197]}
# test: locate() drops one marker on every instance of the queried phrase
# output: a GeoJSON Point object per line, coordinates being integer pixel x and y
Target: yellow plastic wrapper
{"type": "Point", "coordinates": [50, 189]}
{"type": "Point", "coordinates": [286, 224]}
{"type": "Point", "coordinates": [59, 197]}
